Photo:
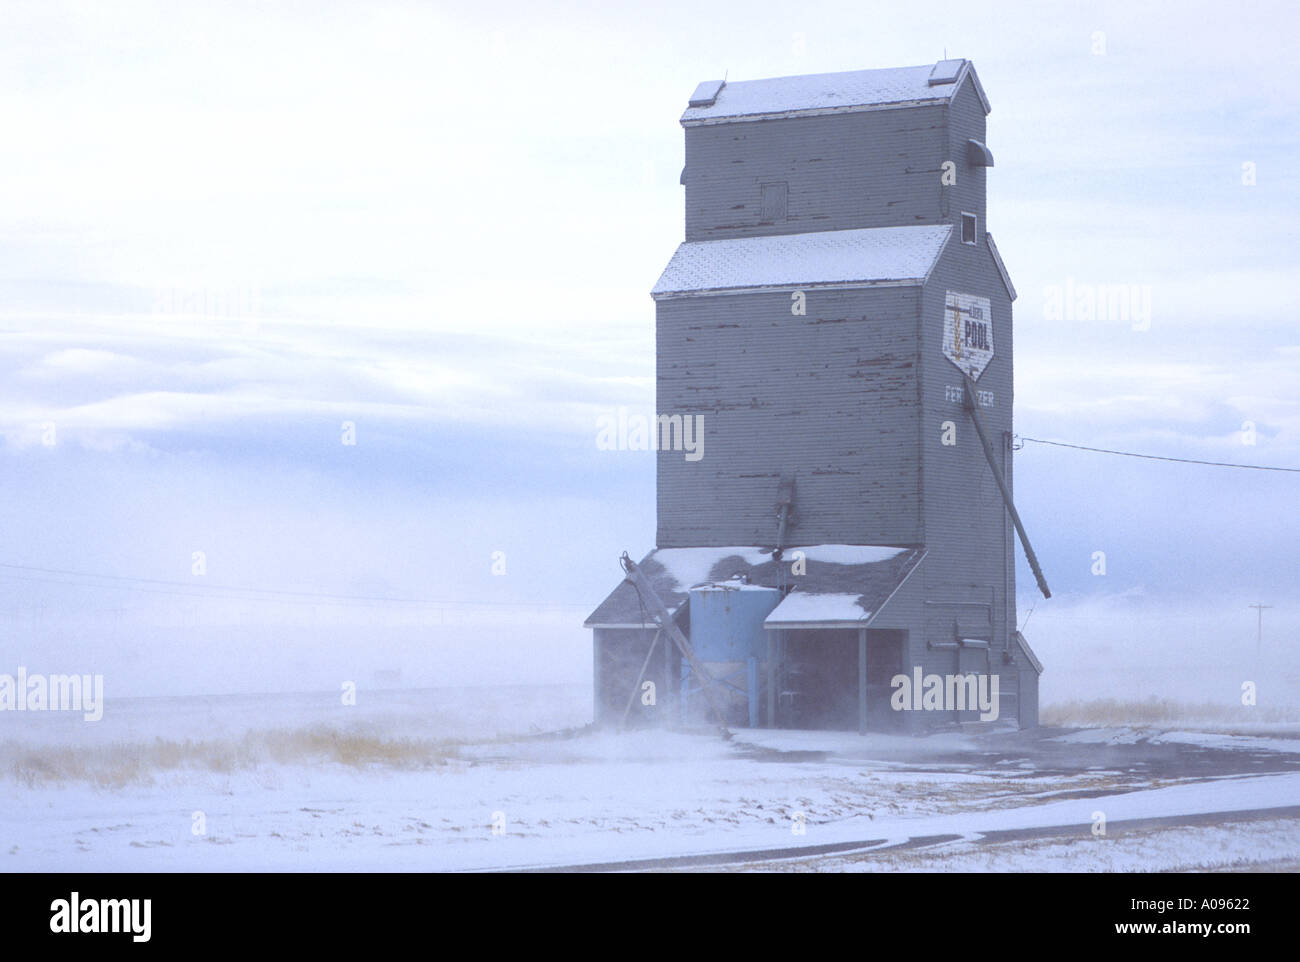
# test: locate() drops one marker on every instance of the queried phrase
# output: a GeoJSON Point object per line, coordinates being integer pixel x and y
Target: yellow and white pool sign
{"type": "Point", "coordinates": [968, 332]}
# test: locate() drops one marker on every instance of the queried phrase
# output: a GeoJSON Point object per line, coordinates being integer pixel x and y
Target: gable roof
{"type": "Point", "coordinates": [1028, 652]}
{"type": "Point", "coordinates": [855, 90]}
{"type": "Point", "coordinates": [1002, 268]}
{"type": "Point", "coordinates": [869, 256]}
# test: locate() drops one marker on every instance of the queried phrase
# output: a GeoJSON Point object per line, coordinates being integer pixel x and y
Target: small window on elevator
{"type": "Point", "coordinates": [968, 228]}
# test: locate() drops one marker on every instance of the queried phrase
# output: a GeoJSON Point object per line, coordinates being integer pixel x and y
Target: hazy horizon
{"type": "Point", "coordinates": [229, 234]}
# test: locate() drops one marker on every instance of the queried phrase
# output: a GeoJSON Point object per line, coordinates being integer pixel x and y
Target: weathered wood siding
{"type": "Point", "coordinates": [876, 168]}
{"type": "Point", "coordinates": [969, 574]}
{"type": "Point", "coordinates": [830, 398]}
{"type": "Point", "coordinates": [966, 122]}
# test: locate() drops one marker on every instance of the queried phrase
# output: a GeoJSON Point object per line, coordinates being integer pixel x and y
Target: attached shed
{"type": "Point", "coordinates": [817, 650]}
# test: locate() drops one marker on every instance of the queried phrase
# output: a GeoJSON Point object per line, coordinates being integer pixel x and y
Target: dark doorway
{"type": "Point", "coordinates": [620, 658]}
{"type": "Point", "coordinates": [819, 687]}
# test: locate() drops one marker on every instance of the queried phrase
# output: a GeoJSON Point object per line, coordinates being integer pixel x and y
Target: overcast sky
{"type": "Point", "coordinates": [226, 229]}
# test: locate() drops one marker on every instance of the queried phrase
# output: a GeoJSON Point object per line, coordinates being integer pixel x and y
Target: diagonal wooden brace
{"type": "Point", "coordinates": [665, 622]}
{"type": "Point", "coordinates": [972, 408]}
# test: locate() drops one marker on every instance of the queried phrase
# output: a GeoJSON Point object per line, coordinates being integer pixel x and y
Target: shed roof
{"type": "Point", "coordinates": [850, 91]}
{"type": "Point", "coordinates": [844, 596]}
{"type": "Point", "coordinates": [835, 258]}
{"type": "Point", "coordinates": [1028, 652]}
{"type": "Point", "coordinates": [848, 582]}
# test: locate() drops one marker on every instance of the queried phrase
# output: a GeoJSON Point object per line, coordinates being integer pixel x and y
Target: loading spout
{"type": "Point", "coordinates": [784, 508]}
{"type": "Point", "coordinates": [973, 409]}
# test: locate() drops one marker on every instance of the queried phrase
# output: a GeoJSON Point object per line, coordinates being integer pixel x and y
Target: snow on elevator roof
{"type": "Point", "coordinates": [831, 92]}
{"type": "Point", "coordinates": [854, 581]}
{"type": "Point", "coordinates": [833, 258]}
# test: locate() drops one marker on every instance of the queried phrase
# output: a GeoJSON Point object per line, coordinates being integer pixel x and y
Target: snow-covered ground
{"type": "Point", "coordinates": [1265, 845]}
{"type": "Point", "coordinates": [508, 777]}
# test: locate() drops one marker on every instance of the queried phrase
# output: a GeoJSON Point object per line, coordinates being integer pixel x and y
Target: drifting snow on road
{"type": "Point", "coordinates": [433, 780]}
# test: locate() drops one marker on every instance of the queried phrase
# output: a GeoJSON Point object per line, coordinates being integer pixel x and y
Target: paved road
{"type": "Point", "coordinates": [871, 846]}
{"type": "Point", "coordinates": [1142, 764]}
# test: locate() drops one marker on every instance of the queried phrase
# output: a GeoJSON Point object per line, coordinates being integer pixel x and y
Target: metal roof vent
{"type": "Point", "coordinates": [706, 94]}
{"type": "Point", "coordinates": [977, 155]}
{"type": "Point", "coordinates": [946, 72]}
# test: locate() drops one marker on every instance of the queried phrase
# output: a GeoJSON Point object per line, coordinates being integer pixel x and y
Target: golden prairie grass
{"type": "Point", "coordinates": [119, 764]}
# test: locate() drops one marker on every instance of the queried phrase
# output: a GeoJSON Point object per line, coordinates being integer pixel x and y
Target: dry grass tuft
{"type": "Point", "coordinates": [122, 764]}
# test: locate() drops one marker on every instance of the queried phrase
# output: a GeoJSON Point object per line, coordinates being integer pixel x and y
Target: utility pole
{"type": "Point", "coordinates": [1259, 631]}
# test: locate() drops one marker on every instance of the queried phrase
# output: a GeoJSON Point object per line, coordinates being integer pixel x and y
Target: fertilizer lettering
{"type": "Point", "coordinates": [969, 692]}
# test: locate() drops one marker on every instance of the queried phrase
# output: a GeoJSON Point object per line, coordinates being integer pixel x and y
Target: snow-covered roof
{"type": "Point", "coordinates": [672, 572]}
{"type": "Point", "coordinates": [844, 595]}
{"type": "Point", "coordinates": [839, 584]}
{"type": "Point", "coordinates": [802, 608]}
{"type": "Point", "coordinates": [830, 92]}
{"type": "Point", "coordinates": [834, 258]}
{"type": "Point", "coordinates": [845, 554]}
{"type": "Point", "coordinates": [688, 567]}
{"type": "Point", "coordinates": [727, 586]}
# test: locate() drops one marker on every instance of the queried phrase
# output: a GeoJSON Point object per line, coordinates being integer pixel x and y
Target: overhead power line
{"type": "Point", "coordinates": [1158, 457]}
{"type": "Point", "coordinates": [212, 594]}
{"type": "Point", "coordinates": [241, 593]}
